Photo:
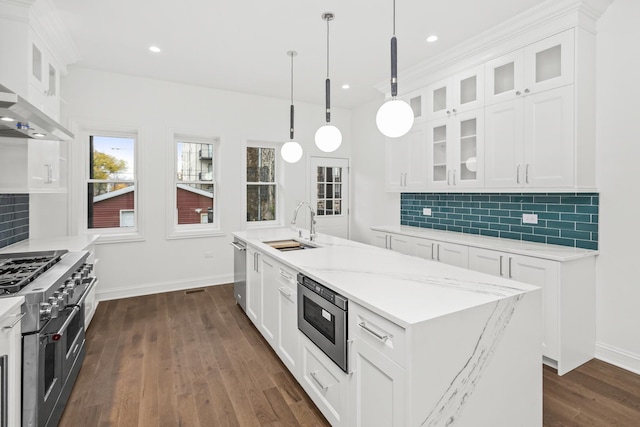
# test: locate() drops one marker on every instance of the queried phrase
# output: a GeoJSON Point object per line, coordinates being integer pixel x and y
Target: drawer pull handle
{"type": "Point", "coordinates": [372, 332]}
{"type": "Point", "coordinates": [284, 292]}
{"type": "Point", "coordinates": [15, 322]}
{"type": "Point", "coordinates": [315, 378]}
{"type": "Point", "coordinates": [286, 275]}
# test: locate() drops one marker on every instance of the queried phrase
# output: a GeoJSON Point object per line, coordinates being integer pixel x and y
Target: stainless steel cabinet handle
{"type": "Point", "coordinates": [372, 332]}
{"type": "Point", "coordinates": [315, 378]}
{"type": "Point", "coordinates": [501, 264]}
{"type": "Point", "coordinates": [454, 176]}
{"type": "Point", "coordinates": [526, 173]}
{"type": "Point", "coordinates": [510, 259]}
{"type": "Point", "coordinates": [15, 322]}
{"type": "Point", "coordinates": [285, 275]}
{"type": "Point", "coordinates": [238, 246]}
{"type": "Point", "coordinates": [518, 175]}
{"type": "Point", "coordinates": [438, 251]}
{"type": "Point", "coordinates": [448, 177]}
{"type": "Point", "coordinates": [432, 250]}
{"type": "Point", "coordinates": [405, 179]}
{"type": "Point", "coordinates": [390, 240]}
{"type": "Point", "coordinates": [49, 168]}
{"type": "Point", "coordinates": [284, 292]}
{"type": "Point", "coordinates": [400, 179]}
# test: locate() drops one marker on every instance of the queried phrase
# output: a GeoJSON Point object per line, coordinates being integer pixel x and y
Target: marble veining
{"type": "Point", "coordinates": [450, 405]}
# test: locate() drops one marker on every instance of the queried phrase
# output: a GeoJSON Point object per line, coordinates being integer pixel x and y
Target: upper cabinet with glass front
{"type": "Point", "coordinates": [44, 80]}
{"type": "Point", "coordinates": [540, 66]}
{"type": "Point", "coordinates": [457, 94]}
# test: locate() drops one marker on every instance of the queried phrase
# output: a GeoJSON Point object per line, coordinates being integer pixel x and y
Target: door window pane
{"type": "Point", "coordinates": [329, 191]}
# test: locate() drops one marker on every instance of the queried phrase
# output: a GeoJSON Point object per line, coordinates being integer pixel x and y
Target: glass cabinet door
{"type": "Point", "coordinates": [468, 90]}
{"type": "Point", "coordinates": [504, 78]}
{"type": "Point", "coordinates": [438, 138]}
{"type": "Point", "coordinates": [439, 100]}
{"type": "Point", "coordinates": [470, 138]}
{"type": "Point", "coordinates": [549, 63]}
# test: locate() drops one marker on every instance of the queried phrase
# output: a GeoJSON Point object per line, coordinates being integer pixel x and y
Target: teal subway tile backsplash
{"type": "Point", "coordinates": [14, 218]}
{"type": "Point", "coordinates": [567, 219]}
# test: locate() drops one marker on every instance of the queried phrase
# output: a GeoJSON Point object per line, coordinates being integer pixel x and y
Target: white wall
{"type": "Point", "coordinates": [156, 107]}
{"type": "Point", "coordinates": [618, 111]}
{"type": "Point", "coordinates": [372, 205]}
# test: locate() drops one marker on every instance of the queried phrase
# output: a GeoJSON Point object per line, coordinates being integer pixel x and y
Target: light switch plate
{"type": "Point", "coordinates": [426, 211]}
{"type": "Point", "coordinates": [529, 218]}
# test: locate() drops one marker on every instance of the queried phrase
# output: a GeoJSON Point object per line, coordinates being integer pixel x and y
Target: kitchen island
{"type": "Point", "coordinates": [459, 347]}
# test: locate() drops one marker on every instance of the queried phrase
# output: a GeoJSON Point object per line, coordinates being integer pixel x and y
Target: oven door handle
{"type": "Point", "coordinates": [66, 323]}
{"type": "Point", "coordinates": [86, 292]}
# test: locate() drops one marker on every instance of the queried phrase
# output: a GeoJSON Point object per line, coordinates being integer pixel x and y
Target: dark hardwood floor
{"type": "Point", "coordinates": [193, 359]}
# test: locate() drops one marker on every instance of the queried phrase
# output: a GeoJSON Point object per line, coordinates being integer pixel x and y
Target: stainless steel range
{"type": "Point", "coordinates": [55, 285]}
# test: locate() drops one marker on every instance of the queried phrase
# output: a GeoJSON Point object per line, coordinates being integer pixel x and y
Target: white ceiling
{"type": "Point", "coordinates": [241, 45]}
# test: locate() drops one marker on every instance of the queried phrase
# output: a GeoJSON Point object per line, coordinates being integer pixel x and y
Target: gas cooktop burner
{"type": "Point", "coordinates": [19, 269]}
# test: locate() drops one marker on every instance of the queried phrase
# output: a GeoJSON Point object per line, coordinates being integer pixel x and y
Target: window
{"type": "Point", "coordinates": [111, 185]}
{"type": "Point", "coordinates": [194, 185]}
{"type": "Point", "coordinates": [329, 191]}
{"type": "Point", "coordinates": [261, 184]}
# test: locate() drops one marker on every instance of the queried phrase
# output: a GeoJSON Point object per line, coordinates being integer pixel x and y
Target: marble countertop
{"type": "Point", "coordinates": [537, 250]}
{"type": "Point", "coordinates": [407, 290]}
{"type": "Point", "coordinates": [70, 243]}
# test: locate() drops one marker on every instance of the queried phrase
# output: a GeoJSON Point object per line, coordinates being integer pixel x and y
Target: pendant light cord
{"type": "Point", "coordinates": [394, 17]}
{"type": "Point", "coordinates": [291, 79]}
{"type": "Point", "coordinates": [327, 48]}
{"type": "Point", "coordinates": [291, 109]}
{"type": "Point", "coordinates": [327, 83]}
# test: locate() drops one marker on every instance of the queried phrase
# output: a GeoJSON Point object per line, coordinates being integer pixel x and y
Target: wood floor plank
{"type": "Point", "coordinates": [195, 359]}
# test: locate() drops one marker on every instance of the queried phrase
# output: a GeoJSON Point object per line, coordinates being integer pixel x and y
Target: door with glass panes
{"type": "Point", "coordinates": [330, 195]}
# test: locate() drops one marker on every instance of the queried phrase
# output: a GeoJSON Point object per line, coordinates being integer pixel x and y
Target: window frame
{"type": "Point", "coordinates": [184, 231]}
{"type": "Point", "coordinates": [279, 173]}
{"type": "Point", "coordinates": [113, 234]}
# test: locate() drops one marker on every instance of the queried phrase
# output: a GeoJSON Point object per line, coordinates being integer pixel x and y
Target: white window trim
{"type": "Point", "coordinates": [79, 154]}
{"type": "Point", "coordinates": [188, 231]}
{"type": "Point", "coordinates": [122, 211]}
{"type": "Point", "coordinates": [278, 222]}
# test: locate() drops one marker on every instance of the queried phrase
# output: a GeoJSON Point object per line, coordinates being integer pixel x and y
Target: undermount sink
{"type": "Point", "coordinates": [288, 245]}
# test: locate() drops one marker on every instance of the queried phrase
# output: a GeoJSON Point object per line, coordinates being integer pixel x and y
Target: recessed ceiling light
{"type": "Point", "coordinates": [432, 39]}
{"type": "Point", "coordinates": [7, 119]}
{"type": "Point", "coordinates": [345, 86]}
{"type": "Point", "coordinates": [38, 134]}
{"type": "Point", "coordinates": [154, 49]}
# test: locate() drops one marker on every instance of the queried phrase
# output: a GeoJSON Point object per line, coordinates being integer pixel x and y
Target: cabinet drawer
{"type": "Point", "coordinates": [382, 334]}
{"type": "Point", "coordinates": [286, 277]}
{"type": "Point", "coordinates": [324, 382]}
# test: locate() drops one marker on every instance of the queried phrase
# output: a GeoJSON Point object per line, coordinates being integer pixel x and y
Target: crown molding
{"type": "Point", "coordinates": [15, 10]}
{"type": "Point", "coordinates": [47, 25]}
{"type": "Point", "coordinates": [543, 20]}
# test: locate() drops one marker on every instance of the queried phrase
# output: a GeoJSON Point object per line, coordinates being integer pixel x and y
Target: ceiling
{"type": "Point", "coordinates": [241, 45]}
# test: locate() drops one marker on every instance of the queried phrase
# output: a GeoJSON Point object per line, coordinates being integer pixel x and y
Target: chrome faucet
{"type": "Point", "coordinates": [312, 229]}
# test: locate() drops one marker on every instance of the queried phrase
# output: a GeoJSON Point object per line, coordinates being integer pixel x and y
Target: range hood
{"type": "Point", "coordinates": [20, 119]}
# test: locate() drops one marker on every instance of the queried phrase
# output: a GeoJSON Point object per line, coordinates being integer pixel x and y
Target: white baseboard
{"type": "Point", "coordinates": [618, 357]}
{"type": "Point", "coordinates": [159, 287]}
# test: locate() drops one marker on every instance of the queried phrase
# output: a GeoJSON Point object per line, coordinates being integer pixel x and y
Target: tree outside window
{"type": "Point", "coordinates": [261, 184]}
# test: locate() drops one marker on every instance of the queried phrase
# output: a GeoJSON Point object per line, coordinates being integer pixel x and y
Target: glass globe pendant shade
{"type": "Point", "coordinates": [394, 118]}
{"type": "Point", "coordinates": [328, 138]}
{"type": "Point", "coordinates": [291, 152]}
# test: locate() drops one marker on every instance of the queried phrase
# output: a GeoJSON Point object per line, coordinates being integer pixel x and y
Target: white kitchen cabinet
{"type": "Point", "coordinates": [416, 101]}
{"type": "Point", "coordinates": [33, 166]}
{"type": "Point", "coordinates": [396, 242]}
{"type": "Point", "coordinates": [10, 363]}
{"type": "Point", "coordinates": [540, 66]}
{"type": "Point", "coordinates": [377, 389]}
{"type": "Point", "coordinates": [324, 382]}
{"type": "Point", "coordinates": [448, 253]}
{"type": "Point", "coordinates": [530, 141]}
{"type": "Point", "coordinates": [456, 94]}
{"type": "Point", "coordinates": [287, 334]}
{"type": "Point", "coordinates": [455, 147]}
{"type": "Point", "coordinates": [44, 166]}
{"type": "Point", "coordinates": [270, 298]}
{"type": "Point", "coordinates": [44, 79]}
{"type": "Point", "coordinates": [254, 286]}
{"type": "Point", "coordinates": [568, 297]}
{"type": "Point", "coordinates": [405, 159]}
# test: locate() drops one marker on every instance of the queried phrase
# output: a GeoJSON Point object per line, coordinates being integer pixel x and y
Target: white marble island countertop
{"type": "Point", "coordinates": [408, 290]}
{"type": "Point", "coordinates": [70, 243]}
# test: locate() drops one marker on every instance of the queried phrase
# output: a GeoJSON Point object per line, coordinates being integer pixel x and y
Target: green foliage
{"type": "Point", "coordinates": [106, 166]}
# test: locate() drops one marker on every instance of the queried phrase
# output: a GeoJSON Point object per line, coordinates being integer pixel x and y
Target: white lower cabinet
{"type": "Point", "coordinates": [324, 382]}
{"type": "Point", "coordinates": [568, 301]}
{"type": "Point", "coordinates": [287, 337]}
{"type": "Point", "coordinates": [448, 253]}
{"type": "Point", "coordinates": [10, 363]}
{"type": "Point", "coordinates": [377, 389]}
{"type": "Point", "coordinates": [270, 298]}
{"type": "Point", "coordinates": [254, 286]}
{"type": "Point", "coordinates": [396, 242]}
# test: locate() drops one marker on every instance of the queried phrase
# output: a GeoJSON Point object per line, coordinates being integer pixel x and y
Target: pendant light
{"type": "Point", "coordinates": [395, 117]}
{"type": "Point", "coordinates": [291, 151]}
{"type": "Point", "coordinates": [328, 137]}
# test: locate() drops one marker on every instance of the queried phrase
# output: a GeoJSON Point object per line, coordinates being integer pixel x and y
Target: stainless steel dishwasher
{"type": "Point", "coordinates": [240, 273]}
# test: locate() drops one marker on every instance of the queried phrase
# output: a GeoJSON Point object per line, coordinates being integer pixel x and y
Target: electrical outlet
{"type": "Point", "coordinates": [529, 218]}
{"type": "Point", "coordinates": [426, 211]}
